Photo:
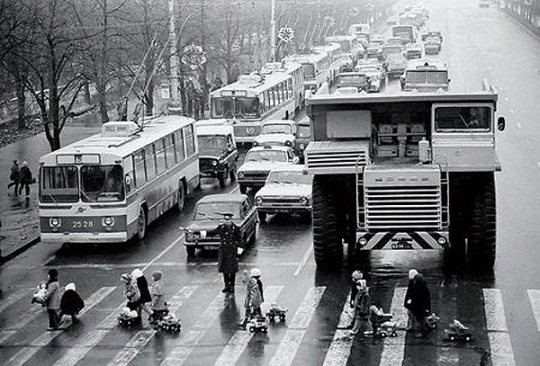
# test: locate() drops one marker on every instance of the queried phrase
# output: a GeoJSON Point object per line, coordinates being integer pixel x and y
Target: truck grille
{"type": "Point", "coordinates": [205, 164]}
{"type": "Point", "coordinates": [281, 201]}
{"type": "Point", "coordinates": [336, 155]}
{"type": "Point", "coordinates": [246, 131]}
{"type": "Point", "coordinates": [255, 175]}
{"type": "Point", "coordinates": [403, 208]}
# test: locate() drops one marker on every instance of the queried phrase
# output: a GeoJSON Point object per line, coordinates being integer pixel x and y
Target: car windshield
{"type": "Point", "coordinates": [304, 131]}
{"type": "Point", "coordinates": [289, 177]}
{"type": "Point", "coordinates": [395, 57]}
{"type": "Point", "coordinates": [237, 107]}
{"type": "Point", "coordinates": [212, 143]}
{"type": "Point", "coordinates": [59, 184]}
{"type": "Point", "coordinates": [427, 77]}
{"type": "Point", "coordinates": [276, 128]}
{"type": "Point", "coordinates": [367, 69]}
{"type": "Point", "coordinates": [102, 183]}
{"type": "Point", "coordinates": [387, 51]}
{"type": "Point", "coordinates": [462, 118]}
{"type": "Point", "coordinates": [215, 210]}
{"type": "Point", "coordinates": [267, 155]}
{"type": "Point", "coordinates": [352, 79]}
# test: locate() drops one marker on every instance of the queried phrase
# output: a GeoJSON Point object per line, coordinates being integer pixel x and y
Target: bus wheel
{"type": "Point", "coordinates": [141, 224]}
{"type": "Point", "coordinates": [181, 197]}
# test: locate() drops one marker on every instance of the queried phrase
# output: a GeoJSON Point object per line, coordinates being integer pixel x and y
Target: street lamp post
{"type": "Point", "coordinates": [273, 32]}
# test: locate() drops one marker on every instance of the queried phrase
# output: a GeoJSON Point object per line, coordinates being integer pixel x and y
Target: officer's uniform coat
{"type": "Point", "coordinates": [231, 238]}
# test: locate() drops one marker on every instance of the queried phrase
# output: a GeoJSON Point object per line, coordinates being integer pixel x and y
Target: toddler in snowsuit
{"type": "Point", "coordinates": [131, 291]}
{"type": "Point", "coordinates": [71, 303]}
{"type": "Point", "coordinates": [254, 297]}
{"type": "Point", "coordinates": [159, 306]}
{"type": "Point", "coordinates": [362, 304]}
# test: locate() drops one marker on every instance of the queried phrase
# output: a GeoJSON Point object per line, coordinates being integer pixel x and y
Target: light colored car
{"type": "Point", "coordinates": [395, 64]}
{"type": "Point", "coordinates": [432, 46]}
{"type": "Point", "coordinates": [347, 90]}
{"type": "Point", "coordinates": [375, 73]}
{"type": "Point", "coordinates": [353, 79]}
{"type": "Point", "coordinates": [374, 50]}
{"type": "Point", "coordinates": [413, 51]}
{"type": "Point", "coordinates": [276, 132]}
{"type": "Point", "coordinates": [287, 190]}
{"type": "Point", "coordinates": [260, 161]}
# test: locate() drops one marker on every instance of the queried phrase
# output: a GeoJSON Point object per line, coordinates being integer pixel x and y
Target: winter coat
{"type": "Point", "coordinates": [362, 304]}
{"type": "Point", "coordinates": [419, 296]}
{"type": "Point", "coordinates": [53, 296]}
{"type": "Point", "coordinates": [254, 297]}
{"type": "Point", "coordinates": [230, 237]}
{"type": "Point", "coordinates": [71, 302]}
{"type": "Point", "coordinates": [25, 175]}
{"type": "Point", "coordinates": [14, 175]}
{"type": "Point", "coordinates": [132, 292]}
{"type": "Point", "coordinates": [158, 296]}
{"type": "Point", "coordinates": [142, 284]}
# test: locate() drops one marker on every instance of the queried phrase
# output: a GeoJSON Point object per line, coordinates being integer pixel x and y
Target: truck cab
{"type": "Point", "coordinates": [423, 75]}
{"type": "Point", "coordinates": [405, 171]}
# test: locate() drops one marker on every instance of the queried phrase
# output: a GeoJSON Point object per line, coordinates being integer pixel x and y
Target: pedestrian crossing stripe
{"type": "Point", "coordinates": [417, 240]}
{"type": "Point", "coordinates": [337, 354]}
{"type": "Point", "coordinates": [14, 297]}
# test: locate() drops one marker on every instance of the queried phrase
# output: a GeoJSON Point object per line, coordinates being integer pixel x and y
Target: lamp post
{"type": "Point", "coordinates": [273, 32]}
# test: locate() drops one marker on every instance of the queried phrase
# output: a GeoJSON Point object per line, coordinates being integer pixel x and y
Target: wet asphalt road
{"type": "Point", "coordinates": [498, 307]}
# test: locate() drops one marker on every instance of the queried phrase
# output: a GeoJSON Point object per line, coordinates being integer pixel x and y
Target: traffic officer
{"type": "Point", "coordinates": [228, 251]}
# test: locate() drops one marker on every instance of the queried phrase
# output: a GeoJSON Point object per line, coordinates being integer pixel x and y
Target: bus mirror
{"type": "Point", "coordinates": [501, 123]}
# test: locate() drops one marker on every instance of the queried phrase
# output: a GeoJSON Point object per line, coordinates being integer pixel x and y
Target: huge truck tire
{"type": "Point", "coordinates": [482, 232]}
{"type": "Point", "coordinates": [327, 245]}
{"type": "Point", "coordinates": [455, 255]}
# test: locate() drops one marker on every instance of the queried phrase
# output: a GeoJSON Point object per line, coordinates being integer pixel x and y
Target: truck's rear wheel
{"type": "Point", "coordinates": [327, 244]}
{"type": "Point", "coordinates": [482, 232]}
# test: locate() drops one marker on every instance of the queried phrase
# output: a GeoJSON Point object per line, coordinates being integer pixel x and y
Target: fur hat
{"type": "Point", "coordinates": [255, 272]}
{"type": "Point", "coordinates": [412, 273]}
{"type": "Point", "coordinates": [156, 275]}
{"type": "Point", "coordinates": [70, 286]}
{"type": "Point", "coordinates": [357, 275]}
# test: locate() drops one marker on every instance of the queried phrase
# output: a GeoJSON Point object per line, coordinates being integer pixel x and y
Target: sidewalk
{"type": "Point", "coordinates": [19, 216]}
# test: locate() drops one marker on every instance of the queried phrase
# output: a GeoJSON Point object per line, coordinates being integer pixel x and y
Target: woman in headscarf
{"type": "Point", "coordinates": [145, 298]}
{"type": "Point", "coordinates": [52, 299]}
{"type": "Point", "coordinates": [71, 302]}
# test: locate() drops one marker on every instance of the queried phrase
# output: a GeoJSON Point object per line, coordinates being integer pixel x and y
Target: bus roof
{"type": "Point", "coordinates": [214, 130]}
{"type": "Point", "coordinates": [305, 58]}
{"type": "Point", "coordinates": [363, 98]}
{"type": "Point", "coordinates": [251, 85]}
{"type": "Point", "coordinates": [121, 146]}
{"type": "Point", "coordinates": [211, 198]}
{"type": "Point", "coordinates": [427, 65]}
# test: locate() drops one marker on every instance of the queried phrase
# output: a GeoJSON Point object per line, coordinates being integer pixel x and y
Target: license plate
{"type": "Point", "coordinates": [203, 234]}
{"type": "Point", "coordinates": [402, 245]}
{"type": "Point", "coordinates": [82, 224]}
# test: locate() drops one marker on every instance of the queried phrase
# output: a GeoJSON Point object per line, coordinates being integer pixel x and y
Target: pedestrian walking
{"type": "Point", "coordinates": [362, 304]}
{"type": "Point", "coordinates": [131, 292]}
{"type": "Point", "coordinates": [411, 323]}
{"type": "Point", "coordinates": [52, 299]}
{"type": "Point", "coordinates": [418, 301]}
{"type": "Point", "coordinates": [254, 297]}
{"type": "Point", "coordinates": [25, 179]}
{"type": "Point", "coordinates": [14, 177]}
{"type": "Point", "coordinates": [355, 277]}
{"type": "Point", "coordinates": [159, 306]}
{"type": "Point", "coordinates": [71, 303]}
{"type": "Point", "coordinates": [229, 249]}
{"type": "Point", "coordinates": [145, 297]}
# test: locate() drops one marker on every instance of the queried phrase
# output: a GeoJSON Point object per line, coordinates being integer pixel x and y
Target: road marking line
{"type": "Point", "coordinates": [518, 124]}
{"type": "Point", "coordinates": [13, 298]}
{"type": "Point", "coordinates": [77, 353]}
{"type": "Point", "coordinates": [448, 310]}
{"type": "Point", "coordinates": [209, 316]}
{"type": "Point", "coordinates": [162, 253]}
{"type": "Point", "coordinates": [534, 298]}
{"type": "Point", "coordinates": [6, 334]}
{"type": "Point", "coordinates": [345, 317]}
{"type": "Point", "coordinates": [506, 99]}
{"type": "Point", "coordinates": [297, 328]}
{"type": "Point", "coordinates": [304, 261]}
{"type": "Point", "coordinates": [394, 347]}
{"type": "Point", "coordinates": [27, 317]}
{"type": "Point", "coordinates": [45, 338]}
{"type": "Point", "coordinates": [139, 340]}
{"type": "Point", "coordinates": [494, 309]}
{"type": "Point", "coordinates": [305, 312]}
{"type": "Point", "coordinates": [512, 110]}
{"type": "Point", "coordinates": [240, 340]}
{"type": "Point", "coordinates": [181, 352]}
{"type": "Point", "coordinates": [501, 349]}
{"type": "Point", "coordinates": [340, 348]}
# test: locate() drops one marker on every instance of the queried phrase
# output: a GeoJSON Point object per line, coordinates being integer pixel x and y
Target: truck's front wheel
{"type": "Point", "coordinates": [327, 244]}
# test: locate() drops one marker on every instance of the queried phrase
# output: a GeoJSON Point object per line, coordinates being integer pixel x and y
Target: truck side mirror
{"type": "Point", "coordinates": [501, 123]}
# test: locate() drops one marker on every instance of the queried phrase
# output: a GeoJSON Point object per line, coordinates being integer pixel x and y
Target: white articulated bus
{"type": "Point", "coordinates": [251, 100]}
{"type": "Point", "coordinates": [316, 68]}
{"type": "Point", "coordinates": [296, 71]}
{"type": "Point", "coordinates": [110, 186]}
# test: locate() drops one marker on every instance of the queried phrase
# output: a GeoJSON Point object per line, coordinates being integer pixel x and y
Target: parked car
{"type": "Point", "coordinates": [303, 137]}
{"type": "Point", "coordinates": [258, 163]}
{"type": "Point", "coordinates": [287, 190]}
{"type": "Point", "coordinates": [276, 132]}
{"type": "Point", "coordinates": [217, 153]}
{"type": "Point", "coordinates": [208, 214]}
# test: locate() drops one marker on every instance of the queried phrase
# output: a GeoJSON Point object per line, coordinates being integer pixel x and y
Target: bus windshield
{"type": "Point", "coordinates": [267, 155]}
{"type": "Point", "coordinates": [427, 77]}
{"type": "Point", "coordinates": [291, 177]}
{"type": "Point", "coordinates": [209, 144]}
{"type": "Point", "coordinates": [215, 210]}
{"type": "Point", "coordinates": [59, 184]}
{"type": "Point", "coordinates": [239, 107]}
{"type": "Point", "coordinates": [276, 128]}
{"type": "Point", "coordinates": [102, 183]}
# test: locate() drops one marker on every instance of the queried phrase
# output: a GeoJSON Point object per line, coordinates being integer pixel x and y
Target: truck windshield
{"type": "Point", "coordinates": [215, 210]}
{"type": "Point", "coordinates": [212, 143]}
{"type": "Point", "coordinates": [235, 107]}
{"type": "Point", "coordinates": [102, 183]}
{"type": "Point", "coordinates": [427, 77]}
{"type": "Point", "coordinates": [59, 184]}
{"type": "Point", "coordinates": [460, 119]}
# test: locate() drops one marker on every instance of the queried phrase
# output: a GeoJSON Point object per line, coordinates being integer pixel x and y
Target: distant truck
{"type": "Point", "coordinates": [407, 33]}
{"type": "Point", "coordinates": [404, 171]}
{"type": "Point", "coordinates": [362, 33]}
{"type": "Point", "coordinates": [422, 75]}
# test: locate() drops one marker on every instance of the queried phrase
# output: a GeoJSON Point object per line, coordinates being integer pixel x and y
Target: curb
{"type": "Point", "coordinates": [524, 25]}
{"type": "Point", "coordinates": [20, 250]}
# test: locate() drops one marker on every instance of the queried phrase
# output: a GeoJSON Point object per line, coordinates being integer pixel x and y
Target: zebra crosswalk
{"type": "Point", "coordinates": [287, 340]}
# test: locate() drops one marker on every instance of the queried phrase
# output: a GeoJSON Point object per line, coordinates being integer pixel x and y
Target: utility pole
{"type": "Point", "coordinates": [202, 80]}
{"type": "Point", "coordinates": [273, 32]}
{"type": "Point", "coordinates": [173, 56]}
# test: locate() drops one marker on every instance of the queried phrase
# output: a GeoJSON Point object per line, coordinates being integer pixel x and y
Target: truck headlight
{"type": "Point", "coordinates": [288, 143]}
{"type": "Point", "coordinates": [304, 201]}
{"type": "Point", "coordinates": [241, 175]}
{"type": "Point", "coordinates": [302, 146]}
{"type": "Point", "coordinates": [441, 240]}
{"type": "Point", "coordinates": [107, 221]}
{"type": "Point", "coordinates": [214, 162]}
{"type": "Point", "coordinates": [55, 222]}
{"type": "Point", "coordinates": [362, 242]}
{"type": "Point", "coordinates": [255, 143]}
{"type": "Point", "coordinates": [258, 200]}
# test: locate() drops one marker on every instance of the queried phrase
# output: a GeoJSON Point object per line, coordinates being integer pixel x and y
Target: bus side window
{"type": "Point", "coordinates": [140, 172]}
{"type": "Point", "coordinates": [179, 145]}
{"type": "Point", "coordinates": [159, 148]}
{"type": "Point", "coordinates": [130, 174]}
{"type": "Point", "coordinates": [150, 161]}
{"type": "Point", "coordinates": [169, 151]}
{"type": "Point", "coordinates": [190, 140]}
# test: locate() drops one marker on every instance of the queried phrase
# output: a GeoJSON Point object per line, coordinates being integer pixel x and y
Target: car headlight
{"type": "Point", "coordinates": [241, 175]}
{"type": "Point", "coordinates": [255, 143]}
{"type": "Point", "coordinates": [288, 143]}
{"type": "Point", "coordinates": [214, 162]}
{"type": "Point", "coordinates": [55, 222]}
{"type": "Point", "coordinates": [107, 221]}
{"type": "Point", "coordinates": [302, 146]}
{"type": "Point", "coordinates": [304, 201]}
{"type": "Point", "coordinates": [258, 200]}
